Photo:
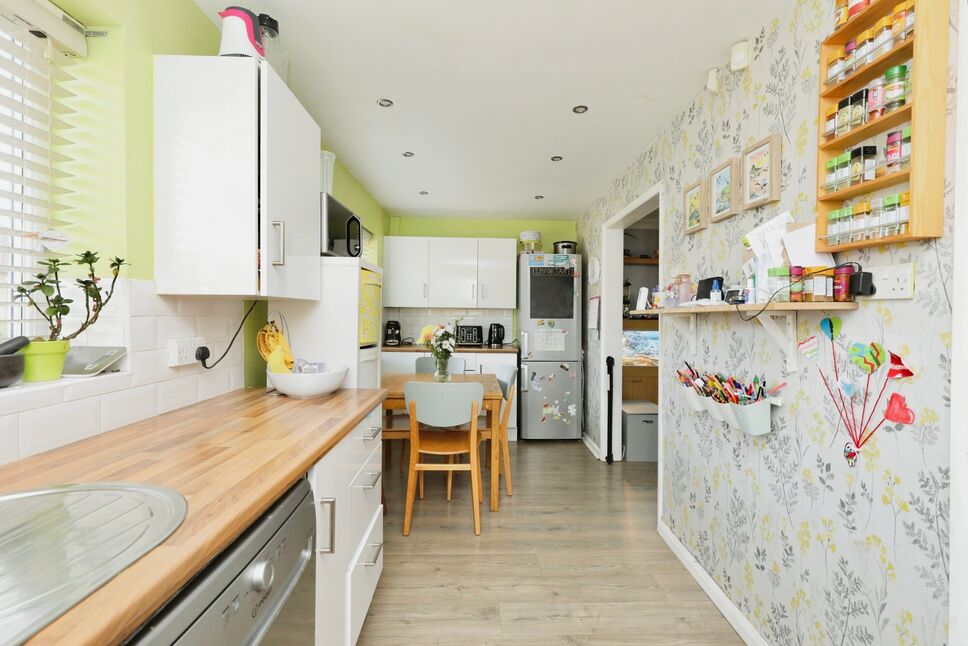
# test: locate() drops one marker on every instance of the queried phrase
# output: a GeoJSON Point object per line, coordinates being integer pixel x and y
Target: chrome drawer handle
{"type": "Point", "coordinates": [376, 478]}
{"type": "Point", "coordinates": [332, 526]}
{"type": "Point", "coordinates": [376, 555]}
{"type": "Point", "coordinates": [374, 433]}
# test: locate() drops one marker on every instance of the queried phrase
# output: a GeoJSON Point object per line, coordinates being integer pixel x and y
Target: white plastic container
{"type": "Point", "coordinates": [714, 409]}
{"type": "Point", "coordinates": [693, 399]}
{"type": "Point", "coordinates": [726, 410]}
{"type": "Point", "coordinates": [755, 419]}
{"type": "Point", "coordinates": [530, 241]}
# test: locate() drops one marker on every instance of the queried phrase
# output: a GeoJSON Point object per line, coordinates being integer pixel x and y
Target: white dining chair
{"type": "Point", "coordinates": [428, 365]}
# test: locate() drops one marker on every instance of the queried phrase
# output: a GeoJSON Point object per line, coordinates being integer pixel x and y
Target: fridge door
{"type": "Point", "coordinates": [551, 400]}
{"type": "Point", "coordinates": [550, 307]}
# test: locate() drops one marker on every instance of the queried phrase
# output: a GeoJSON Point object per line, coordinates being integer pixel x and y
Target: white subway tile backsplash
{"type": "Point", "coordinates": [21, 398]}
{"type": "Point", "coordinates": [149, 366]}
{"type": "Point", "coordinates": [174, 327]}
{"type": "Point", "coordinates": [52, 426]}
{"type": "Point", "coordinates": [237, 374]}
{"type": "Point", "coordinates": [213, 328]}
{"type": "Point", "coordinates": [210, 306]}
{"type": "Point", "coordinates": [82, 388]}
{"type": "Point", "coordinates": [177, 393]}
{"type": "Point", "coordinates": [144, 334]}
{"type": "Point", "coordinates": [9, 439]}
{"type": "Point", "coordinates": [128, 406]}
{"type": "Point", "coordinates": [212, 383]}
{"type": "Point", "coordinates": [145, 302]}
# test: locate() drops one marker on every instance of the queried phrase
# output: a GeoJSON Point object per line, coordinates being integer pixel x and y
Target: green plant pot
{"type": "Point", "coordinates": [44, 360]}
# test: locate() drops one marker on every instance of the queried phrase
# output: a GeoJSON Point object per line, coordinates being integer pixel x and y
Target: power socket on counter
{"type": "Point", "coordinates": [894, 282]}
{"type": "Point", "coordinates": [181, 352]}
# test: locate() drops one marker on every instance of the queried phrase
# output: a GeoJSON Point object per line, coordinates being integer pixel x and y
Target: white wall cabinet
{"type": "Point", "coordinates": [406, 276]}
{"type": "Point", "coordinates": [349, 532]}
{"type": "Point", "coordinates": [497, 278]}
{"type": "Point", "coordinates": [236, 181]}
{"type": "Point", "coordinates": [466, 273]}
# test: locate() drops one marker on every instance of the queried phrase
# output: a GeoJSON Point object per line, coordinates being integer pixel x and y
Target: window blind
{"type": "Point", "coordinates": [27, 98]}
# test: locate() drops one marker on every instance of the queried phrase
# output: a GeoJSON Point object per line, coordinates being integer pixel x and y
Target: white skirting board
{"type": "Point", "coordinates": [733, 615]}
{"type": "Point", "coordinates": [587, 439]}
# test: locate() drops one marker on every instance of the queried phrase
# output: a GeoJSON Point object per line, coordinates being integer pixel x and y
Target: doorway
{"type": "Point", "coordinates": [645, 211]}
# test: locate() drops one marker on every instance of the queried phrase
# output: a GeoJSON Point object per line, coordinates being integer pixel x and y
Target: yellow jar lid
{"type": "Point", "coordinates": [836, 52]}
{"type": "Point", "coordinates": [883, 23]}
{"type": "Point", "coordinates": [905, 197]}
{"type": "Point", "coordinates": [867, 34]}
{"type": "Point", "coordinates": [831, 111]}
{"type": "Point", "coordinates": [862, 207]}
{"type": "Point", "coordinates": [898, 8]}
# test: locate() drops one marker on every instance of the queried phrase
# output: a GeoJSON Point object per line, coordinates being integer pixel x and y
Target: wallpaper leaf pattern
{"type": "Point", "coordinates": [810, 550]}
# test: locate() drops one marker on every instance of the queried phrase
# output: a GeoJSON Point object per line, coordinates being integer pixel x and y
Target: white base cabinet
{"type": "Point", "coordinates": [346, 487]}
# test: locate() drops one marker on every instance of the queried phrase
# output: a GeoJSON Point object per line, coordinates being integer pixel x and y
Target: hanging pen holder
{"type": "Point", "coordinates": [755, 419]}
{"type": "Point", "coordinates": [693, 399]}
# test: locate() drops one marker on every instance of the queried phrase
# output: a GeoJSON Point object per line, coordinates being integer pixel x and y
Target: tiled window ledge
{"type": "Point", "coordinates": [26, 396]}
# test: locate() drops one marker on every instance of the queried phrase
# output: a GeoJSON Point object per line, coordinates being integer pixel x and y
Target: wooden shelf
{"type": "Point", "coordinates": [755, 307]}
{"type": "Point", "coordinates": [885, 181]}
{"type": "Point", "coordinates": [851, 246]}
{"type": "Point", "coordinates": [862, 76]}
{"type": "Point", "coordinates": [640, 324]}
{"type": "Point", "coordinates": [870, 129]}
{"type": "Point", "coordinates": [864, 20]}
{"type": "Point", "coordinates": [641, 261]}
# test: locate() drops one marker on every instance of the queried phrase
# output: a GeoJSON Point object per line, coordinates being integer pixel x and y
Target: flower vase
{"type": "Point", "coordinates": [441, 375]}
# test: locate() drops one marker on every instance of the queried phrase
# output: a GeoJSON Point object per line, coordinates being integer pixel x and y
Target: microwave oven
{"type": "Point", "coordinates": [340, 229]}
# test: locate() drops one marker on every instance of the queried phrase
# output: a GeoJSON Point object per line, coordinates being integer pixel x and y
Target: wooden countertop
{"type": "Point", "coordinates": [474, 349]}
{"type": "Point", "coordinates": [231, 457]}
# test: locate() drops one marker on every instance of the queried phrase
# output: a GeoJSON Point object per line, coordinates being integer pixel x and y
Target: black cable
{"type": "Point", "coordinates": [203, 356]}
{"type": "Point", "coordinates": [773, 295]}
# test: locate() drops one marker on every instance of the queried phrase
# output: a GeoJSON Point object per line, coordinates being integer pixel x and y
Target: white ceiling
{"type": "Point", "coordinates": [483, 91]}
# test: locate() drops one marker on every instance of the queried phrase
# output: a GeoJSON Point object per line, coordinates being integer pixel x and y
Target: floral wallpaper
{"type": "Point", "coordinates": [810, 549]}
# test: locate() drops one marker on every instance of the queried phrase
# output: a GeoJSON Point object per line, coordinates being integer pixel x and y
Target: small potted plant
{"type": "Point", "coordinates": [44, 358]}
{"type": "Point", "coordinates": [441, 340]}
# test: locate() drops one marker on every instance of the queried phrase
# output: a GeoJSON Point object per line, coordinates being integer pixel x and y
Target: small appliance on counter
{"type": "Point", "coordinates": [568, 247]}
{"type": "Point", "coordinates": [470, 335]}
{"type": "Point", "coordinates": [495, 336]}
{"type": "Point", "coordinates": [241, 33]}
{"type": "Point", "coordinates": [391, 336]}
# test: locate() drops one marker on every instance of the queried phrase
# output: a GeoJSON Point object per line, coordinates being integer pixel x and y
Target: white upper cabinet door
{"type": "Point", "coordinates": [497, 273]}
{"type": "Point", "coordinates": [291, 184]}
{"type": "Point", "coordinates": [453, 272]}
{"type": "Point", "coordinates": [406, 272]}
{"type": "Point", "coordinates": [206, 174]}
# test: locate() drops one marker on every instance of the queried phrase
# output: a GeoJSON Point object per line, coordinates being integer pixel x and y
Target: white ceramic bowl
{"type": "Point", "coordinates": [304, 386]}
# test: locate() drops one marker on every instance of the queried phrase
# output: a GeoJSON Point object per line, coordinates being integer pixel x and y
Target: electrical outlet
{"type": "Point", "coordinates": [893, 281]}
{"type": "Point", "coordinates": [181, 352]}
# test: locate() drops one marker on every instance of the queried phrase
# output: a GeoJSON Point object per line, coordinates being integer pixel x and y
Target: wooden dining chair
{"type": "Point", "coordinates": [506, 378]}
{"type": "Point", "coordinates": [433, 407]}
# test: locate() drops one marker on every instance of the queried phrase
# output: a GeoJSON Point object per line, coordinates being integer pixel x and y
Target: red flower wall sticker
{"type": "Point", "coordinates": [867, 359]}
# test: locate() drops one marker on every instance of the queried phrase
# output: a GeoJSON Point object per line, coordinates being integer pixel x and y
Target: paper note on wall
{"type": "Point", "coordinates": [553, 341]}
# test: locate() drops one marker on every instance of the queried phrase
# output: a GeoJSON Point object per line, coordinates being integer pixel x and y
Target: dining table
{"type": "Point", "coordinates": [493, 398]}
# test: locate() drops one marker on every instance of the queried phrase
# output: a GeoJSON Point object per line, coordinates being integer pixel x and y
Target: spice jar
{"type": "Point", "coordinates": [883, 36]}
{"type": "Point", "coordinates": [876, 99]}
{"type": "Point", "coordinates": [909, 17]}
{"type": "Point", "coordinates": [905, 147]}
{"type": "Point", "coordinates": [833, 227]}
{"type": "Point", "coordinates": [843, 116]}
{"type": "Point", "coordinates": [683, 287]}
{"type": "Point", "coordinates": [858, 108]}
{"type": "Point", "coordinates": [854, 7]}
{"type": "Point", "coordinates": [841, 14]}
{"type": "Point", "coordinates": [835, 66]}
{"type": "Point", "coordinates": [830, 175]}
{"type": "Point", "coordinates": [815, 287]}
{"type": "Point", "coordinates": [899, 21]}
{"type": "Point", "coordinates": [830, 123]}
{"type": "Point", "coordinates": [865, 48]}
{"type": "Point", "coordinates": [850, 50]}
{"type": "Point", "coordinates": [895, 90]}
{"type": "Point", "coordinates": [846, 224]}
{"type": "Point", "coordinates": [889, 216]}
{"type": "Point", "coordinates": [779, 284]}
{"type": "Point", "coordinates": [874, 219]}
{"type": "Point", "coordinates": [892, 153]}
{"type": "Point", "coordinates": [861, 222]}
{"type": "Point", "coordinates": [842, 284]}
{"type": "Point", "coordinates": [856, 165]}
{"type": "Point", "coordinates": [869, 163]}
{"type": "Point", "coordinates": [903, 212]}
{"type": "Point", "coordinates": [796, 284]}
{"type": "Point", "coordinates": [843, 171]}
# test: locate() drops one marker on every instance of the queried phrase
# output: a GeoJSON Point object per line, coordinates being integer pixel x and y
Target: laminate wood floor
{"type": "Point", "coordinates": [572, 558]}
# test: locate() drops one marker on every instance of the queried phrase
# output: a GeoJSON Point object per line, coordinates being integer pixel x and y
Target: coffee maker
{"type": "Point", "coordinates": [391, 335]}
{"type": "Point", "coordinates": [495, 336]}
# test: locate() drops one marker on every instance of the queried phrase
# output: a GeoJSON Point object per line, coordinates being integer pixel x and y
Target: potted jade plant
{"type": "Point", "coordinates": [441, 340]}
{"type": "Point", "coordinates": [44, 357]}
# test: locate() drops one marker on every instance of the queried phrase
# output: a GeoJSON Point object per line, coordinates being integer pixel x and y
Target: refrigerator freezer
{"type": "Point", "coordinates": [549, 317]}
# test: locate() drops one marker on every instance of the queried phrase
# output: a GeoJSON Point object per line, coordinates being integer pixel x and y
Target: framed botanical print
{"type": "Point", "coordinates": [761, 172]}
{"type": "Point", "coordinates": [724, 191]}
{"type": "Point", "coordinates": [695, 207]}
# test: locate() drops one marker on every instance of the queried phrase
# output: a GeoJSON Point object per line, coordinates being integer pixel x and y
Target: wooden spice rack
{"type": "Point", "coordinates": [927, 49]}
{"type": "Point", "coordinates": [641, 261]}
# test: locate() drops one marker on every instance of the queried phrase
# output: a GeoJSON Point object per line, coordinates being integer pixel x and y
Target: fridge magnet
{"type": "Point", "coordinates": [724, 192]}
{"type": "Point", "coordinates": [761, 172]}
{"type": "Point", "coordinates": [695, 212]}
{"type": "Point", "coordinates": [866, 360]}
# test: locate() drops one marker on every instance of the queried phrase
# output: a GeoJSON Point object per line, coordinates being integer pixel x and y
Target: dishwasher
{"type": "Point", "coordinates": [259, 590]}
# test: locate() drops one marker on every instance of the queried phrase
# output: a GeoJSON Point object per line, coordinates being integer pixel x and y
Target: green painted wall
{"type": "Point", "coordinates": [551, 230]}
{"type": "Point", "coordinates": [348, 190]}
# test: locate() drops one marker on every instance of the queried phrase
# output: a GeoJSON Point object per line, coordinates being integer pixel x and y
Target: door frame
{"type": "Point", "coordinates": [613, 276]}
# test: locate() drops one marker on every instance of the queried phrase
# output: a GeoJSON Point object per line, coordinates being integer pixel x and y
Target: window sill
{"type": "Point", "coordinates": [26, 396]}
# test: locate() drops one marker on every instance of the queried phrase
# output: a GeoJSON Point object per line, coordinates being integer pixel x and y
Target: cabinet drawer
{"type": "Point", "coordinates": [364, 574]}
{"type": "Point", "coordinates": [363, 497]}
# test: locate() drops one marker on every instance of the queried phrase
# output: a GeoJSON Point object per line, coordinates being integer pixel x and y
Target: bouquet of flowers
{"type": "Point", "coordinates": [441, 340]}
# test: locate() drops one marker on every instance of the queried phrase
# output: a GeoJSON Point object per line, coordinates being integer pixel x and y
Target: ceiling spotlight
{"type": "Point", "coordinates": [580, 109]}
{"type": "Point", "coordinates": [408, 154]}
{"type": "Point", "coordinates": [385, 103]}
{"type": "Point", "coordinates": [557, 158]}
{"type": "Point", "coordinates": [425, 192]}
{"type": "Point", "coordinates": [539, 197]}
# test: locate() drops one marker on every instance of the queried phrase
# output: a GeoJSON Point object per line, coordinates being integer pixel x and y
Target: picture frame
{"type": "Point", "coordinates": [725, 190]}
{"type": "Point", "coordinates": [694, 207]}
{"type": "Point", "coordinates": [761, 172]}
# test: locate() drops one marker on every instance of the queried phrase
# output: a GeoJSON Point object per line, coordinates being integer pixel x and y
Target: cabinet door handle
{"type": "Point", "coordinates": [425, 290]}
{"type": "Point", "coordinates": [525, 380]}
{"type": "Point", "coordinates": [376, 475]}
{"type": "Point", "coordinates": [374, 433]}
{"type": "Point", "coordinates": [524, 345]}
{"type": "Point", "coordinates": [331, 548]}
{"type": "Point", "coordinates": [473, 291]}
{"type": "Point", "coordinates": [280, 226]}
{"type": "Point", "coordinates": [376, 555]}
{"type": "Point", "coordinates": [483, 291]}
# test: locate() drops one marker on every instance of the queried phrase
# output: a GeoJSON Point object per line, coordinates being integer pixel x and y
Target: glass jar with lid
{"type": "Point", "coordinates": [830, 123]}
{"type": "Point", "coordinates": [895, 90]}
{"type": "Point", "coordinates": [779, 284]}
{"type": "Point", "coordinates": [892, 153]}
{"type": "Point", "coordinates": [833, 227]}
{"type": "Point", "coordinates": [906, 147]}
{"type": "Point", "coordinates": [874, 219]}
{"type": "Point", "coordinates": [854, 7]}
{"type": "Point", "coordinates": [860, 221]}
{"type": "Point", "coordinates": [850, 58]}
{"type": "Point", "coordinates": [830, 175]}
{"type": "Point", "coordinates": [909, 18]}
{"type": "Point", "coordinates": [843, 171]}
{"type": "Point", "coordinates": [843, 116]}
{"type": "Point", "coordinates": [858, 108]}
{"type": "Point", "coordinates": [876, 95]}
{"type": "Point", "coordinates": [889, 216]}
{"type": "Point", "coordinates": [899, 21]}
{"type": "Point", "coordinates": [796, 284]}
{"type": "Point", "coordinates": [883, 36]}
{"type": "Point", "coordinates": [835, 66]}
{"type": "Point", "coordinates": [903, 212]}
{"type": "Point", "coordinates": [865, 43]}
{"type": "Point", "coordinates": [841, 14]}
{"type": "Point", "coordinates": [842, 284]}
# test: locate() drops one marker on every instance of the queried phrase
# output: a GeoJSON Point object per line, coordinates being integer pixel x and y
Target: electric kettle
{"type": "Point", "coordinates": [495, 336]}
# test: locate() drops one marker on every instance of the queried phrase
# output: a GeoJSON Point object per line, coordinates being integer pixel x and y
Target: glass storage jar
{"type": "Point", "coordinates": [883, 36]}
{"type": "Point", "coordinates": [860, 221]}
{"type": "Point", "coordinates": [841, 14]}
{"type": "Point", "coordinates": [835, 66]}
{"type": "Point", "coordinates": [842, 284]}
{"type": "Point", "coordinates": [779, 284]}
{"type": "Point", "coordinates": [850, 58]}
{"type": "Point", "coordinates": [796, 284]}
{"type": "Point", "coordinates": [906, 148]}
{"type": "Point", "coordinates": [895, 90]}
{"type": "Point", "coordinates": [889, 215]}
{"type": "Point", "coordinates": [903, 212]}
{"type": "Point", "coordinates": [874, 219]}
{"type": "Point", "coordinates": [876, 99]}
{"type": "Point", "coordinates": [854, 7]}
{"type": "Point", "coordinates": [830, 175]}
{"type": "Point", "coordinates": [892, 153]}
{"type": "Point", "coordinates": [858, 108]}
{"type": "Point", "coordinates": [830, 123]}
{"type": "Point", "coordinates": [843, 116]}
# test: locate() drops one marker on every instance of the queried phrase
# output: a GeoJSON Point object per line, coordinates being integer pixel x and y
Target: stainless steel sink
{"type": "Point", "coordinates": [59, 545]}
